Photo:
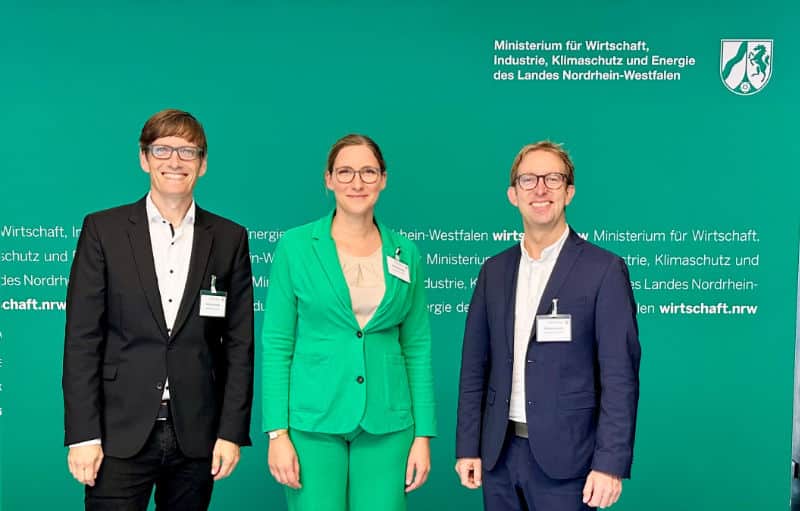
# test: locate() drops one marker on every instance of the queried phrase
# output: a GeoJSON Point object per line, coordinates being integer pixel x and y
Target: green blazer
{"type": "Point", "coordinates": [321, 371]}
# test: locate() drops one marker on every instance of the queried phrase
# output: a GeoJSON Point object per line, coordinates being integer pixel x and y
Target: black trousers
{"type": "Point", "coordinates": [182, 484]}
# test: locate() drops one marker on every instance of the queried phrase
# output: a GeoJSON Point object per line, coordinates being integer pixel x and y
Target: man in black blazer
{"type": "Point", "coordinates": [550, 365]}
{"type": "Point", "coordinates": [158, 351]}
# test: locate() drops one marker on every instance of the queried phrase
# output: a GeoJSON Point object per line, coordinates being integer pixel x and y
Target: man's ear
{"type": "Point", "coordinates": [512, 196]}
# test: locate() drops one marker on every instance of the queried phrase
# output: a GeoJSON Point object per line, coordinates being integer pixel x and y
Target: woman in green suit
{"type": "Point", "coordinates": [347, 381]}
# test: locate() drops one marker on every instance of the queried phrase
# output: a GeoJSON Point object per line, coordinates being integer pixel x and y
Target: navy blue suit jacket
{"type": "Point", "coordinates": [581, 396]}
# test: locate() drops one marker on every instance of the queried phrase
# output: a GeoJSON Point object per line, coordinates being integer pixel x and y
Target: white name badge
{"type": "Point", "coordinates": [212, 304]}
{"type": "Point", "coordinates": [398, 268]}
{"type": "Point", "coordinates": [554, 328]}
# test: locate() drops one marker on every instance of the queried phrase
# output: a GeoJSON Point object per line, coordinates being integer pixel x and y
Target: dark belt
{"type": "Point", "coordinates": [519, 429]}
{"type": "Point", "coordinates": [163, 411]}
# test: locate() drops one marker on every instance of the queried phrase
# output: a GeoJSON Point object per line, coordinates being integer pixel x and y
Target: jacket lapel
{"type": "Point", "coordinates": [202, 242]}
{"type": "Point", "coordinates": [142, 250]}
{"type": "Point", "coordinates": [573, 246]}
{"type": "Point", "coordinates": [325, 250]}
{"type": "Point", "coordinates": [389, 247]}
{"type": "Point", "coordinates": [510, 292]}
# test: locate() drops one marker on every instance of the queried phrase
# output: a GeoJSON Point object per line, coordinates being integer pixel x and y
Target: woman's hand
{"type": "Point", "coordinates": [419, 463]}
{"type": "Point", "coordinates": [283, 463]}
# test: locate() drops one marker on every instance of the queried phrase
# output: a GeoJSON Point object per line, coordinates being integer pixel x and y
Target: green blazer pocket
{"type": "Point", "coordinates": [307, 390]}
{"type": "Point", "coordinates": [398, 396]}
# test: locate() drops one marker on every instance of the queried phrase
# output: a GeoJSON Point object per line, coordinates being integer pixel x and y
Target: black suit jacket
{"type": "Point", "coordinates": [118, 354]}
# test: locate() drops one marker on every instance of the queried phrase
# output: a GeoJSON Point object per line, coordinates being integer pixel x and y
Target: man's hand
{"type": "Point", "coordinates": [84, 462]}
{"type": "Point", "coordinates": [470, 472]}
{"type": "Point", "coordinates": [283, 463]}
{"type": "Point", "coordinates": [601, 490]}
{"type": "Point", "coordinates": [419, 463]}
{"type": "Point", "coordinates": [224, 459]}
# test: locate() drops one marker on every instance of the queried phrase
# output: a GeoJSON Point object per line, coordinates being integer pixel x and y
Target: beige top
{"type": "Point", "coordinates": [364, 276]}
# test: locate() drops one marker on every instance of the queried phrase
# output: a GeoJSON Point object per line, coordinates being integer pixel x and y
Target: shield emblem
{"type": "Point", "coordinates": [745, 65]}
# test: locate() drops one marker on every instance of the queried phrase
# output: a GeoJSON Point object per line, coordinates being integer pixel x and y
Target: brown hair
{"type": "Point", "coordinates": [551, 147]}
{"type": "Point", "coordinates": [355, 139]}
{"type": "Point", "coordinates": [173, 123]}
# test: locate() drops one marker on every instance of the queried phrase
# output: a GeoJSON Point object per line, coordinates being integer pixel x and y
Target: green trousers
{"type": "Point", "coordinates": [354, 472]}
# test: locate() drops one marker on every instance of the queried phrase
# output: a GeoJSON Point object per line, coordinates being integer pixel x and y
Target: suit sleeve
{"type": "Point", "coordinates": [237, 340]}
{"type": "Point", "coordinates": [619, 354]}
{"type": "Point", "coordinates": [415, 342]}
{"type": "Point", "coordinates": [278, 340]}
{"type": "Point", "coordinates": [84, 338]}
{"type": "Point", "coordinates": [474, 377]}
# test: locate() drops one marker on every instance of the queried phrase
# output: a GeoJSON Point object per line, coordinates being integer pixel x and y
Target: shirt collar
{"type": "Point", "coordinates": [155, 216]}
{"type": "Point", "coordinates": [549, 252]}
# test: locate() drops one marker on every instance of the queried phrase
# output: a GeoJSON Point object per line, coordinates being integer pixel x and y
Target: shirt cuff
{"type": "Point", "coordinates": [94, 441]}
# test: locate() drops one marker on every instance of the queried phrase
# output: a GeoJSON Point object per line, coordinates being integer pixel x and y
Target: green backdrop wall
{"type": "Point", "coordinates": [275, 83]}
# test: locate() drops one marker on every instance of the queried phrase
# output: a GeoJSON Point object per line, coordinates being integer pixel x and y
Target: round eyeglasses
{"type": "Point", "coordinates": [368, 175]}
{"type": "Point", "coordinates": [552, 180]}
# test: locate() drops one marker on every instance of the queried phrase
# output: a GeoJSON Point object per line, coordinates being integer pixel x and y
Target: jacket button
{"type": "Point", "coordinates": [359, 334]}
{"type": "Point", "coordinates": [360, 379]}
{"type": "Point", "coordinates": [159, 386]}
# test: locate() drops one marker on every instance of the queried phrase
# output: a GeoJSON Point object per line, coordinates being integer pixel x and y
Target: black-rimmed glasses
{"type": "Point", "coordinates": [368, 175]}
{"type": "Point", "coordinates": [552, 180]}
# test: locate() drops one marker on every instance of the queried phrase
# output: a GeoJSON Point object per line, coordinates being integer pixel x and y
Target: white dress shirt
{"type": "Point", "coordinates": [531, 280]}
{"type": "Point", "coordinates": [172, 250]}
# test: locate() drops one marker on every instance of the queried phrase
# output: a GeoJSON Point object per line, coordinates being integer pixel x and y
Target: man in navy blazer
{"type": "Point", "coordinates": [550, 365]}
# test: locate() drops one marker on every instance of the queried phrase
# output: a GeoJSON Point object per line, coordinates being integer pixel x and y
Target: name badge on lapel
{"type": "Point", "coordinates": [554, 327]}
{"type": "Point", "coordinates": [212, 302]}
{"type": "Point", "coordinates": [398, 268]}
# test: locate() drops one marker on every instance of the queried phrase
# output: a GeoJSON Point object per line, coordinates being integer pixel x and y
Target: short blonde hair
{"type": "Point", "coordinates": [544, 145]}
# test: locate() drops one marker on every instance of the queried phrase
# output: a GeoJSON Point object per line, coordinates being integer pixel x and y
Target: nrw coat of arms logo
{"type": "Point", "coordinates": [745, 65]}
